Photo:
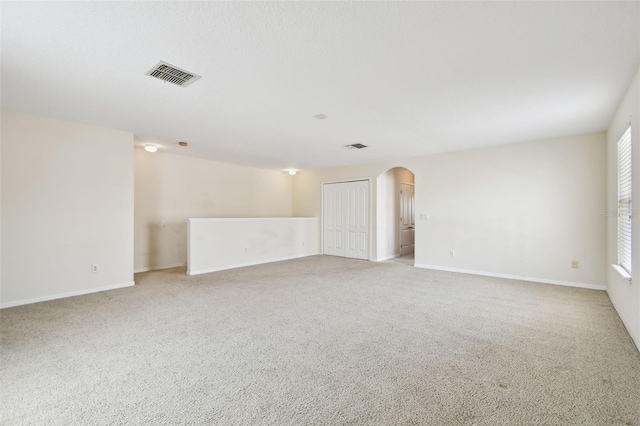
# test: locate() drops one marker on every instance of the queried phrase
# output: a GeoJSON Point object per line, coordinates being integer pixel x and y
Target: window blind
{"type": "Point", "coordinates": [624, 201]}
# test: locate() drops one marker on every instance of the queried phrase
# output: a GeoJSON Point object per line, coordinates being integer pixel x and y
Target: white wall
{"type": "Point", "coordinates": [520, 210]}
{"type": "Point", "coordinates": [225, 243]}
{"type": "Point", "coordinates": [388, 211]}
{"type": "Point", "coordinates": [1, 113]}
{"type": "Point", "coordinates": [171, 188]}
{"type": "Point", "coordinates": [523, 210]}
{"type": "Point", "coordinates": [624, 294]}
{"type": "Point", "coordinates": [307, 192]}
{"type": "Point", "coordinates": [67, 203]}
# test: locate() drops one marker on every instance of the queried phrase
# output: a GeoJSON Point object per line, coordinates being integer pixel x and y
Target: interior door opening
{"type": "Point", "coordinates": [396, 218]}
{"type": "Point", "coordinates": [407, 219]}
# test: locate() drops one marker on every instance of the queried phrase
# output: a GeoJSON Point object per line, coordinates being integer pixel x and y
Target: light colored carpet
{"type": "Point", "coordinates": [407, 259]}
{"type": "Point", "coordinates": [321, 341]}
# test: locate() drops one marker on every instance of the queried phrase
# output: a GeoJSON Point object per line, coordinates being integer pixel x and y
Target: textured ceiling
{"type": "Point", "coordinates": [406, 79]}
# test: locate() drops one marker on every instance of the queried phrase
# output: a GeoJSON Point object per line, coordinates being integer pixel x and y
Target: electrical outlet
{"type": "Point", "coordinates": [94, 268]}
{"type": "Point", "coordinates": [574, 264]}
{"type": "Point", "coordinates": [452, 253]}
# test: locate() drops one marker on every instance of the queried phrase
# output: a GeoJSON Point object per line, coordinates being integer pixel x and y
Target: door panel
{"type": "Point", "coordinates": [332, 217]}
{"type": "Point", "coordinates": [407, 219]}
{"type": "Point", "coordinates": [359, 219]}
{"type": "Point", "coordinates": [346, 219]}
{"type": "Point", "coordinates": [352, 244]}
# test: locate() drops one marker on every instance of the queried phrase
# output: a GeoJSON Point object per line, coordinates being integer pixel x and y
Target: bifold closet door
{"type": "Point", "coordinates": [333, 219]}
{"type": "Point", "coordinates": [346, 218]}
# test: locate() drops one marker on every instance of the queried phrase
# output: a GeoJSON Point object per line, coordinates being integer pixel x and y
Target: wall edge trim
{"type": "Point", "coordinates": [242, 265]}
{"type": "Point", "coordinates": [513, 277]}
{"type": "Point", "coordinates": [635, 341]}
{"type": "Point", "coordinates": [382, 259]}
{"type": "Point", "coordinates": [65, 295]}
{"type": "Point", "coordinates": [157, 268]}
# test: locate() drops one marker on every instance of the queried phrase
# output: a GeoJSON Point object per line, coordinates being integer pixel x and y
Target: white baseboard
{"type": "Point", "coordinates": [634, 339]}
{"type": "Point", "coordinates": [157, 268]}
{"type": "Point", "coordinates": [64, 295]}
{"type": "Point", "coordinates": [512, 277]}
{"type": "Point", "coordinates": [242, 265]}
{"type": "Point", "coordinates": [382, 259]}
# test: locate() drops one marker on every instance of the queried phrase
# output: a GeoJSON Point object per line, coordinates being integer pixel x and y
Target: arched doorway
{"type": "Point", "coordinates": [395, 215]}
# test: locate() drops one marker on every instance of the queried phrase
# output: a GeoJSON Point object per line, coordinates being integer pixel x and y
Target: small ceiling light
{"type": "Point", "coordinates": [292, 172]}
{"type": "Point", "coordinates": [150, 148]}
{"type": "Point", "coordinates": [182, 143]}
{"type": "Point", "coordinates": [321, 116]}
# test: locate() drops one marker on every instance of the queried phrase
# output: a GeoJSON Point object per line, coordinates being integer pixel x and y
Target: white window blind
{"type": "Point", "coordinates": [624, 201]}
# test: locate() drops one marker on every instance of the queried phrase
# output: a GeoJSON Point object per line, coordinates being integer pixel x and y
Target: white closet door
{"type": "Point", "coordinates": [346, 219]}
{"type": "Point", "coordinates": [357, 220]}
{"type": "Point", "coordinates": [333, 220]}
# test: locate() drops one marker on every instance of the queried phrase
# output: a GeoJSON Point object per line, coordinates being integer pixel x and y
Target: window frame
{"type": "Point", "coordinates": [624, 225]}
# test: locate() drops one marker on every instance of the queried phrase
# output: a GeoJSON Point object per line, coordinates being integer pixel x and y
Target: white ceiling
{"type": "Point", "coordinates": [407, 79]}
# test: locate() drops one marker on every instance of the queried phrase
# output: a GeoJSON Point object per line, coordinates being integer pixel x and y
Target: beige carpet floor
{"type": "Point", "coordinates": [407, 259]}
{"type": "Point", "coordinates": [320, 341]}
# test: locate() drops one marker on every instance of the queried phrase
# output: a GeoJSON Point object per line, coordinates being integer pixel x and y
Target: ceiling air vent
{"type": "Point", "coordinates": [355, 146]}
{"type": "Point", "coordinates": [172, 74]}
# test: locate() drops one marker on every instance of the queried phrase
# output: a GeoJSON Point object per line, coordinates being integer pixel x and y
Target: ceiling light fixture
{"type": "Point", "coordinates": [150, 148]}
{"type": "Point", "coordinates": [321, 116]}
{"type": "Point", "coordinates": [291, 172]}
{"type": "Point", "coordinates": [182, 143]}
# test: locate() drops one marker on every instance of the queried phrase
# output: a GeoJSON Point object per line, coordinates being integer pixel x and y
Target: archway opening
{"type": "Point", "coordinates": [395, 227]}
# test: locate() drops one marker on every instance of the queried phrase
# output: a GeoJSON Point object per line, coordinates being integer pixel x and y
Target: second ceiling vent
{"type": "Point", "coordinates": [172, 74]}
{"type": "Point", "coordinates": [355, 146]}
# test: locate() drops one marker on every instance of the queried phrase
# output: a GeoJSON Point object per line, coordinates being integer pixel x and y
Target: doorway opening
{"type": "Point", "coordinates": [396, 216]}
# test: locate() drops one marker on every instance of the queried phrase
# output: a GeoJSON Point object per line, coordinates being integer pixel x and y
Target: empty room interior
{"type": "Point", "coordinates": [320, 213]}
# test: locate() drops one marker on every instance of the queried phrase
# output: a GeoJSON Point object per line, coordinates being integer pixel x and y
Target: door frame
{"type": "Point", "coordinates": [413, 206]}
{"type": "Point", "coordinates": [369, 213]}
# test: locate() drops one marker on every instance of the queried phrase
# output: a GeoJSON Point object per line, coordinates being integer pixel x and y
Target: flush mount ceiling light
{"type": "Point", "coordinates": [321, 116]}
{"type": "Point", "coordinates": [182, 143]}
{"type": "Point", "coordinates": [150, 148]}
{"type": "Point", "coordinates": [292, 172]}
{"type": "Point", "coordinates": [355, 146]}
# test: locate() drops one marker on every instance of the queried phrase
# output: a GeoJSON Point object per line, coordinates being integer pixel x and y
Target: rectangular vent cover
{"type": "Point", "coordinates": [355, 146]}
{"type": "Point", "coordinates": [172, 74]}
